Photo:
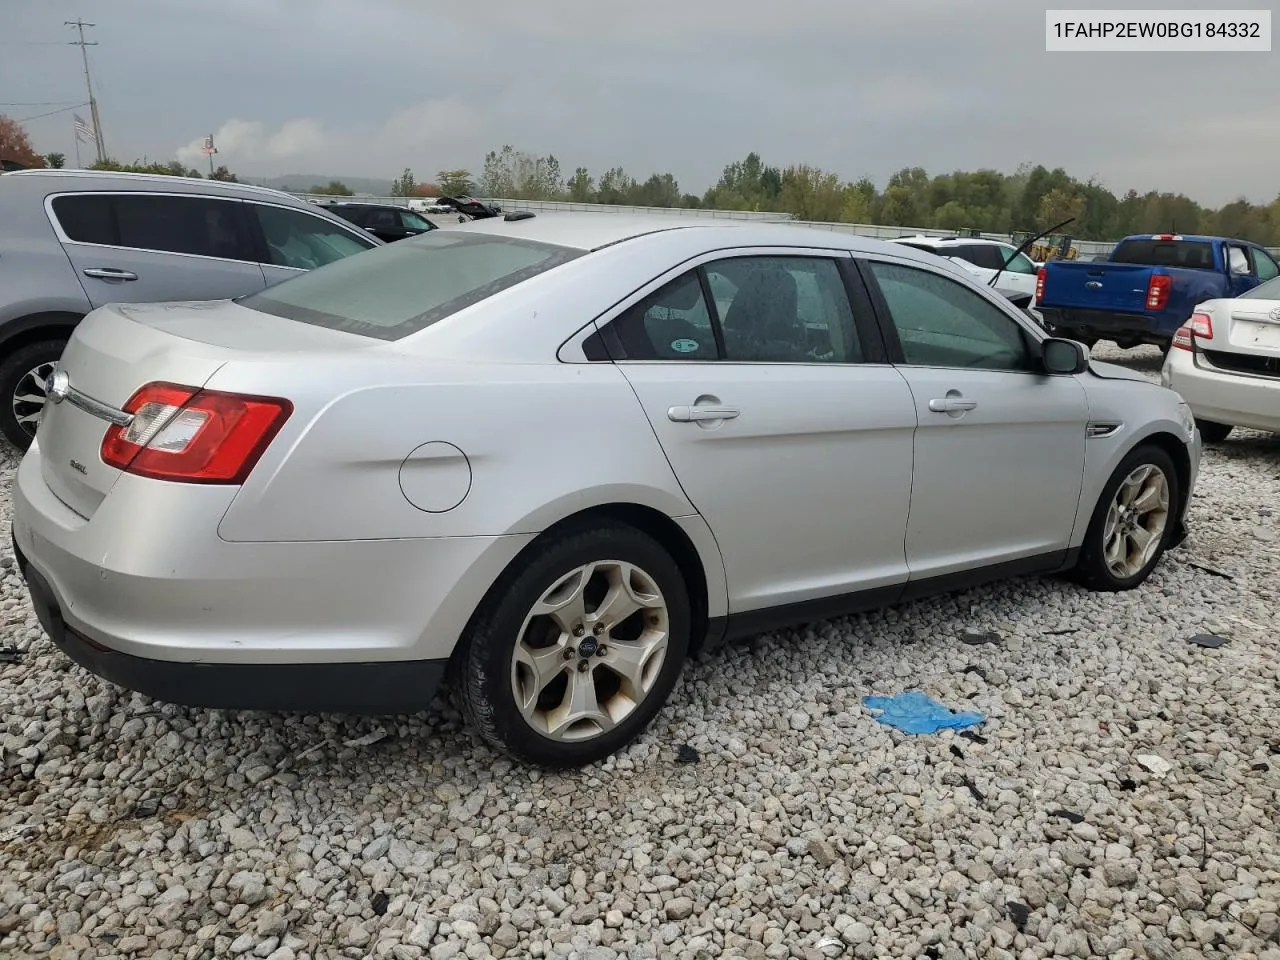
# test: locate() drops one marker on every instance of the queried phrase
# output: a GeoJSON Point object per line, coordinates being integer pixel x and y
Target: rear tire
{"type": "Point", "coordinates": [1213, 432]}
{"type": "Point", "coordinates": [1133, 523]}
{"type": "Point", "coordinates": [20, 373]}
{"type": "Point", "coordinates": [526, 673]}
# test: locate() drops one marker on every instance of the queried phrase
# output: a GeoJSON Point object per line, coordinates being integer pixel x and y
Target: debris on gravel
{"type": "Point", "coordinates": [130, 828]}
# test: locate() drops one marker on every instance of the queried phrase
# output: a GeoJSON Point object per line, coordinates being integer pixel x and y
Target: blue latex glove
{"type": "Point", "coordinates": [917, 712]}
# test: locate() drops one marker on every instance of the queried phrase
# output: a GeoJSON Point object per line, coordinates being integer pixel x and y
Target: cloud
{"type": "Point", "coordinates": [417, 131]}
{"type": "Point", "coordinates": [346, 89]}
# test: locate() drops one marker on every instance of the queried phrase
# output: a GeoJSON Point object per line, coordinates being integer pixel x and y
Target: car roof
{"type": "Point", "coordinates": [79, 180]}
{"type": "Point", "coordinates": [593, 231]}
{"type": "Point", "coordinates": [951, 241]}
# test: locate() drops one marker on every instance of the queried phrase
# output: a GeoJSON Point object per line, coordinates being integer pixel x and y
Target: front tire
{"type": "Point", "coordinates": [22, 393]}
{"type": "Point", "coordinates": [573, 653]}
{"type": "Point", "coordinates": [1133, 522]}
{"type": "Point", "coordinates": [1212, 431]}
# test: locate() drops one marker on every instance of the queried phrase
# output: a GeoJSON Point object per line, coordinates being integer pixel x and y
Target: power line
{"type": "Point", "coordinates": [84, 46]}
{"type": "Point", "coordinates": [40, 103]}
{"type": "Point", "coordinates": [52, 113]}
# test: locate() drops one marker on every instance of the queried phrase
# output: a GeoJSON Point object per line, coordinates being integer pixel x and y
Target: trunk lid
{"type": "Point", "coordinates": [1252, 325]}
{"type": "Point", "coordinates": [1117, 287]}
{"type": "Point", "coordinates": [119, 348]}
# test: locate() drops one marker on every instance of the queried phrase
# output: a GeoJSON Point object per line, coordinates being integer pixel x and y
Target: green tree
{"type": "Point", "coordinates": [519, 175]}
{"type": "Point", "coordinates": [809, 193]}
{"type": "Point", "coordinates": [1057, 205]}
{"type": "Point", "coordinates": [404, 185]}
{"type": "Point", "coordinates": [334, 188]}
{"type": "Point", "coordinates": [580, 186]}
{"type": "Point", "coordinates": [456, 183]}
{"type": "Point", "coordinates": [55, 161]}
{"type": "Point", "coordinates": [222, 173]}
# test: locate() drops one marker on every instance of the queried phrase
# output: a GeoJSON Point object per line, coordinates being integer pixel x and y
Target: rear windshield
{"type": "Point", "coordinates": [1264, 291]}
{"type": "Point", "coordinates": [1188, 254]}
{"type": "Point", "coordinates": [396, 290]}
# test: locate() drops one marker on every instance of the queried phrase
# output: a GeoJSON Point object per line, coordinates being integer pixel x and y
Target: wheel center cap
{"type": "Point", "coordinates": [588, 647]}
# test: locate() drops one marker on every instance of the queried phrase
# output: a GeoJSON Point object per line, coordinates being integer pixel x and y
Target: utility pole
{"type": "Point", "coordinates": [84, 44]}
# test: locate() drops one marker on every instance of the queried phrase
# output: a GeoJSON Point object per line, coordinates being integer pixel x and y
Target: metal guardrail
{"type": "Point", "coordinates": [1083, 249]}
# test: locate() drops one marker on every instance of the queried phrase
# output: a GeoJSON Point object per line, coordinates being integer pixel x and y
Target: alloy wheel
{"type": "Point", "coordinates": [590, 651]}
{"type": "Point", "coordinates": [30, 396]}
{"type": "Point", "coordinates": [1136, 521]}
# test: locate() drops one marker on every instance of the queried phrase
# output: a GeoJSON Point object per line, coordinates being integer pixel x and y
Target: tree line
{"type": "Point", "coordinates": [1031, 198]}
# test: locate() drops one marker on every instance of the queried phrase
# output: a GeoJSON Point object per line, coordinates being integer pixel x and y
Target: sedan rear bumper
{"type": "Point", "coordinates": [146, 595]}
{"type": "Point", "coordinates": [358, 688]}
{"type": "Point", "coordinates": [1223, 396]}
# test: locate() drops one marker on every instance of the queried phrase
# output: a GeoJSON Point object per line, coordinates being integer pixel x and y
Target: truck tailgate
{"type": "Point", "coordinates": [1114, 287]}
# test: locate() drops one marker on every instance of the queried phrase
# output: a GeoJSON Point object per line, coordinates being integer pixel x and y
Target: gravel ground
{"type": "Point", "coordinates": [803, 829]}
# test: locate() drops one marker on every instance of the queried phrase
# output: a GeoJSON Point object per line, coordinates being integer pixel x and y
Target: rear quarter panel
{"type": "Point", "coordinates": [36, 277]}
{"type": "Point", "coordinates": [522, 445]}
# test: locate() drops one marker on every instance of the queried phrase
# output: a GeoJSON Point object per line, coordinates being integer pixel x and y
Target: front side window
{"type": "Point", "coordinates": [402, 288]}
{"type": "Point", "coordinates": [940, 323]}
{"type": "Point", "coordinates": [303, 241]}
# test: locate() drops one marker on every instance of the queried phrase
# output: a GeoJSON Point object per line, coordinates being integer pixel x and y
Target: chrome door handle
{"type": "Point", "coordinates": [109, 273]}
{"type": "Point", "coordinates": [695, 414]}
{"type": "Point", "coordinates": [951, 404]}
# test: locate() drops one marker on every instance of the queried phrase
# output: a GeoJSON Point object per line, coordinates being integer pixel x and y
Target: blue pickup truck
{"type": "Point", "coordinates": [1147, 288]}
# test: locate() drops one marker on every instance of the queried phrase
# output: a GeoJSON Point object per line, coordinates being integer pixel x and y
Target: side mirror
{"type": "Point", "coordinates": [1064, 356]}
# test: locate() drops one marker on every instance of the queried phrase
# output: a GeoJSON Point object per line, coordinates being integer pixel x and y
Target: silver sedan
{"type": "Point", "coordinates": [551, 457]}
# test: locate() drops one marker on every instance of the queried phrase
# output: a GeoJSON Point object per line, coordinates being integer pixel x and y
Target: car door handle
{"type": "Point", "coordinates": [109, 273]}
{"type": "Point", "coordinates": [951, 404]}
{"type": "Point", "coordinates": [695, 414]}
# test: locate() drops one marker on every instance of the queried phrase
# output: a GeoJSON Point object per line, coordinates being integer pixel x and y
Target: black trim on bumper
{"type": "Point", "coordinates": [1105, 325]}
{"type": "Point", "coordinates": [379, 688]}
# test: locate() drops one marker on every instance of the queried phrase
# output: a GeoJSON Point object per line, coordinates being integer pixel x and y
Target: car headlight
{"type": "Point", "coordinates": [1188, 421]}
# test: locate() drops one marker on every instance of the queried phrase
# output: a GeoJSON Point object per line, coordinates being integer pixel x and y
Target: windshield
{"type": "Point", "coordinates": [398, 289]}
{"type": "Point", "coordinates": [1264, 291]}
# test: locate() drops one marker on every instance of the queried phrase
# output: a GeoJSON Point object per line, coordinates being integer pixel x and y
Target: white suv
{"type": "Point", "coordinates": [984, 258]}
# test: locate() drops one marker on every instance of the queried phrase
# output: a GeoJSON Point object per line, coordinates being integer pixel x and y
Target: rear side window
{"type": "Point", "coordinates": [1264, 291]}
{"type": "Point", "coordinates": [197, 226]}
{"type": "Point", "coordinates": [402, 288]}
{"type": "Point", "coordinates": [1187, 254]}
{"type": "Point", "coordinates": [87, 218]}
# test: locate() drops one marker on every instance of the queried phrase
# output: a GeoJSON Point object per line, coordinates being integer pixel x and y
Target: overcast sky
{"type": "Point", "coordinates": [368, 87]}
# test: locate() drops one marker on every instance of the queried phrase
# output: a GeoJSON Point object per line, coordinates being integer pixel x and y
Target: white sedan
{"type": "Point", "coordinates": [1225, 362]}
{"type": "Point", "coordinates": [553, 456]}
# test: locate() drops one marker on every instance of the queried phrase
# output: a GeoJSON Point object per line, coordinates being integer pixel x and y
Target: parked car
{"type": "Point", "coordinates": [984, 259]}
{"type": "Point", "coordinates": [1147, 288]}
{"type": "Point", "coordinates": [1225, 363]}
{"type": "Point", "coordinates": [385, 221]}
{"type": "Point", "coordinates": [75, 240]}
{"type": "Point", "coordinates": [540, 454]}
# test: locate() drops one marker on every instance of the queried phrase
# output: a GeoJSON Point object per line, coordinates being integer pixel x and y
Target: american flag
{"type": "Point", "coordinates": [209, 149]}
{"type": "Point", "coordinates": [84, 132]}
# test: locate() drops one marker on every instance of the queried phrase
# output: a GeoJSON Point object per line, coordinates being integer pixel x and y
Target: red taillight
{"type": "Point", "coordinates": [1040, 284]}
{"type": "Point", "coordinates": [1158, 291]}
{"type": "Point", "coordinates": [194, 436]}
{"type": "Point", "coordinates": [1200, 325]}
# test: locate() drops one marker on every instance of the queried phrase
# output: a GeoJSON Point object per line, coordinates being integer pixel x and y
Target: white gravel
{"type": "Point", "coordinates": [806, 829]}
